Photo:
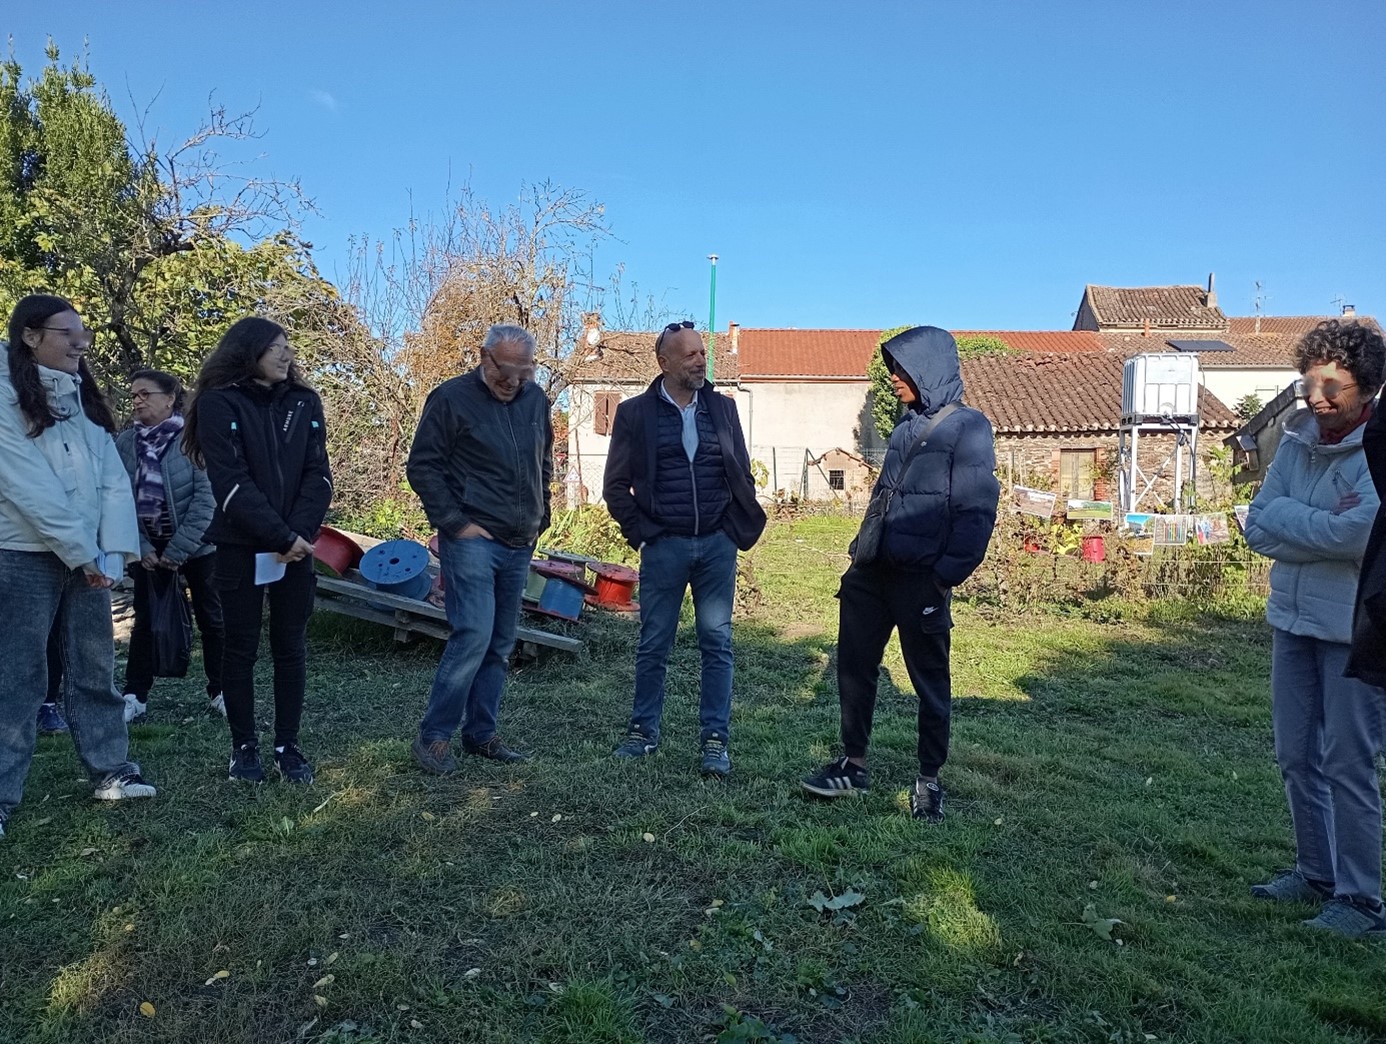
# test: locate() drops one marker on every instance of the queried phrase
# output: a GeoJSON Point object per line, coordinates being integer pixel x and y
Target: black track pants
{"type": "Point", "coordinates": [873, 601]}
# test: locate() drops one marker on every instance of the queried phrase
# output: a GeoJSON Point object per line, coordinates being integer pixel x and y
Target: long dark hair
{"type": "Point", "coordinates": [235, 359]}
{"type": "Point", "coordinates": [167, 383]}
{"type": "Point", "coordinates": [31, 313]}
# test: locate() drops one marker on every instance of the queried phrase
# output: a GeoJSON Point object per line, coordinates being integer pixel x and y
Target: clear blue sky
{"type": "Point", "coordinates": [969, 164]}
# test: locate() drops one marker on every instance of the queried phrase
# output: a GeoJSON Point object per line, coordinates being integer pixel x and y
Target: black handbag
{"type": "Point", "coordinates": [866, 548]}
{"type": "Point", "coordinates": [170, 624]}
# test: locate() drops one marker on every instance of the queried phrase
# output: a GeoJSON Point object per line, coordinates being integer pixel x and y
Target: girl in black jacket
{"type": "Point", "coordinates": [259, 429]}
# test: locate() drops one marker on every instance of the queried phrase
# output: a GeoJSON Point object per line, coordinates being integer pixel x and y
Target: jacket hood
{"type": "Point", "coordinates": [928, 356]}
{"type": "Point", "coordinates": [1303, 427]}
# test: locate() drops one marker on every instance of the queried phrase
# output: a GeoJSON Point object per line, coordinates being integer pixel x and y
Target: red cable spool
{"type": "Point", "coordinates": [336, 551]}
{"type": "Point", "coordinates": [615, 585]}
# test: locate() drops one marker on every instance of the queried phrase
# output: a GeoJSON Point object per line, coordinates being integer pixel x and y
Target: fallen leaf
{"type": "Point", "coordinates": [223, 974]}
{"type": "Point", "coordinates": [415, 1024]}
{"type": "Point", "coordinates": [1101, 926]}
{"type": "Point", "coordinates": [533, 814]}
{"type": "Point", "coordinates": [428, 816]}
{"type": "Point", "coordinates": [89, 851]}
{"type": "Point", "coordinates": [319, 1000]}
{"type": "Point", "coordinates": [1149, 780]}
{"type": "Point", "coordinates": [344, 935]}
{"type": "Point", "coordinates": [129, 927]}
{"type": "Point", "coordinates": [647, 836]}
{"type": "Point", "coordinates": [556, 817]}
{"type": "Point", "coordinates": [1171, 898]}
{"type": "Point", "coordinates": [331, 957]}
{"type": "Point", "coordinates": [1092, 885]}
{"type": "Point", "coordinates": [847, 899]}
{"type": "Point", "coordinates": [998, 820]}
{"type": "Point", "coordinates": [326, 980]}
{"type": "Point", "coordinates": [312, 961]}
{"type": "Point", "coordinates": [146, 1009]}
{"type": "Point", "coordinates": [471, 973]}
{"type": "Point", "coordinates": [718, 902]}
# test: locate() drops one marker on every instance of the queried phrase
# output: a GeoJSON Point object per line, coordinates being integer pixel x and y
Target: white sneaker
{"type": "Point", "coordinates": [217, 704]}
{"type": "Point", "coordinates": [134, 709]}
{"type": "Point", "coordinates": [127, 785]}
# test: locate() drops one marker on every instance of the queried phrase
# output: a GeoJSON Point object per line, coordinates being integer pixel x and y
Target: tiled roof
{"type": "Point", "coordinates": [630, 357]}
{"type": "Point", "coordinates": [1163, 307]}
{"type": "Point", "coordinates": [1060, 393]}
{"type": "Point", "coordinates": [829, 354]}
{"type": "Point", "coordinates": [1273, 346]}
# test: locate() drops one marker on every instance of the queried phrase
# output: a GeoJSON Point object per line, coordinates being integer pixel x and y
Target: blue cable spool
{"type": "Point", "coordinates": [398, 567]}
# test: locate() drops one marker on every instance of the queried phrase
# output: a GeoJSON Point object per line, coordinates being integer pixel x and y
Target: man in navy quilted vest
{"type": "Point", "coordinates": [678, 481]}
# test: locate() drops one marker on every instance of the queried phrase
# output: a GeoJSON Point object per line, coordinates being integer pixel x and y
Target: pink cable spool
{"type": "Point", "coordinates": [615, 585]}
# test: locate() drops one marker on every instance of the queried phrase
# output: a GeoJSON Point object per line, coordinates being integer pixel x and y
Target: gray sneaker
{"type": "Point", "coordinates": [123, 787]}
{"type": "Point", "coordinates": [435, 757]}
{"type": "Point", "coordinates": [1290, 886]}
{"type": "Point", "coordinates": [635, 745]}
{"type": "Point", "coordinates": [1349, 920]}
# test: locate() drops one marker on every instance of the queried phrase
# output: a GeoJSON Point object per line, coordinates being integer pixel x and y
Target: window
{"type": "Point", "coordinates": [604, 411]}
{"type": "Point", "coordinates": [1078, 473]}
{"type": "Point", "coordinates": [836, 479]}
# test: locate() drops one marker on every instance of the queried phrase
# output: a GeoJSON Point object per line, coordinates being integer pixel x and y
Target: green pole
{"type": "Point", "coordinates": [711, 315]}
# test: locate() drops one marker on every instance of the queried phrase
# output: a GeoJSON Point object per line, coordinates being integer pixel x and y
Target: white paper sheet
{"type": "Point", "coordinates": [268, 568]}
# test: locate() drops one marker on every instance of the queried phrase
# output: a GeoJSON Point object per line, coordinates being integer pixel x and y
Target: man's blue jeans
{"type": "Point", "coordinates": [483, 583]}
{"type": "Point", "coordinates": [41, 594]}
{"type": "Point", "coordinates": [668, 567]}
{"type": "Point", "coordinates": [1327, 736]}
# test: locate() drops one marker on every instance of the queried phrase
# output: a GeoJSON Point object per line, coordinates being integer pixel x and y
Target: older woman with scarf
{"type": "Point", "coordinates": [173, 501]}
{"type": "Point", "coordinates": [1312, 516]}
{"type": "Point", "coordinates": [67, 529]}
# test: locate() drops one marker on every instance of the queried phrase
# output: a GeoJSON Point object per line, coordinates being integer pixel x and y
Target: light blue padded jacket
{"type": "Point", "coordinates": [1317, 552]}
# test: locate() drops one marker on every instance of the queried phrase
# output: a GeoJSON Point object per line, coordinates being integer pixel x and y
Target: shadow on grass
{"type": "Point", "coordinates": [580, 899]}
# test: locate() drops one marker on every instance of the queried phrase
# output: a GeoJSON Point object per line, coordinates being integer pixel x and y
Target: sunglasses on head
{"type": "Point", "coordinates": [685, 324]}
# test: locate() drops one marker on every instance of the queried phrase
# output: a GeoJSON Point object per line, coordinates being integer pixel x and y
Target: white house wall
{"type": "Point", "coordinates": [1231, 385]}
{"type": "Point", "coordinates": [782, 422]}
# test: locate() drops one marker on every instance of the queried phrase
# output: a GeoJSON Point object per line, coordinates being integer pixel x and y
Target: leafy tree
{"type": "Point", "coordinates": [160, 251]}
{"type": "Point", "coordinates": [1249, 406]}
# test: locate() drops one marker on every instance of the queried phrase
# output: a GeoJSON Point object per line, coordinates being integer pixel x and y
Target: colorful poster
{"type": "Point", "coordinates": [1170, 530]}
{"type": "Point", "coordinates": [1034, 501]}
{"type": "Point", "coordinates": [1090, 510]}
{"type": "Point", "coordinates": [1137, 522]}
{"type": "Point", "coordinates": [1211, 529]}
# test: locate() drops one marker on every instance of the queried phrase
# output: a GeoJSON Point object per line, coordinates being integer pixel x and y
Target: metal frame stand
{"type": "Point", "coordinates": [1132, 481]}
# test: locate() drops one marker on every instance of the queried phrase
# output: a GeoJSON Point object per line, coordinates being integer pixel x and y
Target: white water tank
{"type": "Point", "coordinates": [1160, 386]}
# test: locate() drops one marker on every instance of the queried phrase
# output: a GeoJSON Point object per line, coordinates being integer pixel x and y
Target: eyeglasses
{"type": "Point", "coordinates": [81, 332]}
{"type": "Point", "coordinates": [1328, 389]}
{"type": "Point", "coordinates": [686, 324]}
{"type": "Point", "coordinates": [141, 396]}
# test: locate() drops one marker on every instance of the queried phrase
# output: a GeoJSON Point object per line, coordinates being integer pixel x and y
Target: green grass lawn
{"type": "Point", "coordinates": [1122, 766]}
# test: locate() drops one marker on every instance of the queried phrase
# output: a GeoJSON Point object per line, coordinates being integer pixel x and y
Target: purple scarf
{"type": "Point", "coordinates": [151, 499]}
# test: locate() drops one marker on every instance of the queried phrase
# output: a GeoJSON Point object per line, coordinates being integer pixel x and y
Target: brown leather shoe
{"type": "Point", "coordinates": [435, 757]}
{"type": "Point", "coordinates": [494, 749]}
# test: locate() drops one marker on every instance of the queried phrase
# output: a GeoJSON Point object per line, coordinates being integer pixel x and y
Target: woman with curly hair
{"type": "Point", "coordinates": [1313, 516]}
{"type": "Point", "coordinates": [67, 530]}
{"type": "Point", "coordinates": [258, 429]}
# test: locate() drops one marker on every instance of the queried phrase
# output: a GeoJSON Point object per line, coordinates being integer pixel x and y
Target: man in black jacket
{"type": "Point", "coordinates": [481, 463]}
{"type": "Point", "coordinates": [678, 481]}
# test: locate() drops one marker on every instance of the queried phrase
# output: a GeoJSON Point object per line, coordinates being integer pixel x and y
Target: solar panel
{"type": "Point", "coordinates": [1200, 346]}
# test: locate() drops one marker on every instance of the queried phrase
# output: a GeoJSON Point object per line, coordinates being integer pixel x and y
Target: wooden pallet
{"type": "Point", "coordinates": [350, 596]}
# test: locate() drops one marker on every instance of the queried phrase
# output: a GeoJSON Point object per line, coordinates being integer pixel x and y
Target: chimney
{"type": "Point", "coordinates": [733, 330]}
{"type": "Point", "coordinates": [1146, 332]}
{"type": "Point", "coordinates": [1349, 311]}
{"type": "Point", "coordinates": [1211, 298]}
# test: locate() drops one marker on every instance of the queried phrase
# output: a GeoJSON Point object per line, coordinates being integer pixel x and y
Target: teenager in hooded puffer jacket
{"type": "Point", "coordinates": [257, 427]}
{"type": "Point", "coordinates": [927, 528]}
{"type": "Point", "coordinates": [67, 530]}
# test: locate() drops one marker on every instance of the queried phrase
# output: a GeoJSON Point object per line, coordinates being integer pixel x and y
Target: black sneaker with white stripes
{"type": "Point", "coordinates": [838, 779]}
{"type": "Point", "coordinates": [926, 801]}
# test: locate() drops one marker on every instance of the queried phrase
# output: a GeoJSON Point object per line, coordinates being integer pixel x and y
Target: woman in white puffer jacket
{"type": "Point", "coordinates": [67, 530]}
{"type": "Point", "coordinates": [1313, 516]}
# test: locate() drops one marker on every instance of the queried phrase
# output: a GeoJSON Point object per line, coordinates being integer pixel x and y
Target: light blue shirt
{"type": "Point", "coordinates": [689, 415]}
